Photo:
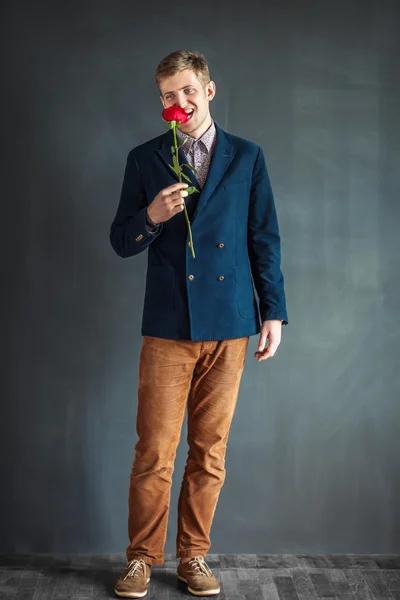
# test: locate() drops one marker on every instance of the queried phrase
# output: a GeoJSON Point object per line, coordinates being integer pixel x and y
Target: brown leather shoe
{"type": "Point", "coordinates": [198, 577]}
{"type": "Point", "coordinates": [133, 581]}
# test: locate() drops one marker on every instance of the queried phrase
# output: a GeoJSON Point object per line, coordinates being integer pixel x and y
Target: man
{"type": "Point", "coordinates": [198, 315]}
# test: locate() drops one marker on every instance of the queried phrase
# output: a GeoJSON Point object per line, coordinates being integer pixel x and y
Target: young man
{"type": "Point", "coordinates": [198, 315]}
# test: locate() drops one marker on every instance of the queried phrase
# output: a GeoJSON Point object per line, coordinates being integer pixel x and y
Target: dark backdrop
{"type": "Point", "coordinates": [313, 457]}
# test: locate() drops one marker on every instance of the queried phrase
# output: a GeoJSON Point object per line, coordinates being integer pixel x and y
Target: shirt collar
{"type": "Point", "coordinates": [207, 138]}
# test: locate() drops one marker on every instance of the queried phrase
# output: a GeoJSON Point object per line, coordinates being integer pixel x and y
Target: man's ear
{"type": "Point", "coordinates": [213, 89]}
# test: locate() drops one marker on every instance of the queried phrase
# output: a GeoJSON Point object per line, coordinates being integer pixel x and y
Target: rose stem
{"type": "Point", "coordinates": [184, 203]}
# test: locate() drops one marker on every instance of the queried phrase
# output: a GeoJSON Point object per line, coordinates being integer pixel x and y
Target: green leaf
{"type": "Point", "coordinates": [176, 164]}
{"type": "Point", "coordinates": [190, 167]}
{"type": "Point", "coordinates": [186, 177]}
{"type": "Point", "coordinates": [191, 189]}
{"type": "Point", "coordinates": [172, 150]}
{"type": "Point", "coordinates": [174, 170]}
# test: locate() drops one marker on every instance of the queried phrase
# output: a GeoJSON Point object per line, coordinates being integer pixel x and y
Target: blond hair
{"type": "Point", "coordinates": [179, 60]}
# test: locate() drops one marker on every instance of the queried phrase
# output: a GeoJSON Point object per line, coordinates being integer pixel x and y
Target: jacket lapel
{"type": "Point", "coordinates": [223, 154]}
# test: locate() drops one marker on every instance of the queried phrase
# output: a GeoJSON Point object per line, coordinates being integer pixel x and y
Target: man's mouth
{"type": "Point", "coordinates": [190, 115]}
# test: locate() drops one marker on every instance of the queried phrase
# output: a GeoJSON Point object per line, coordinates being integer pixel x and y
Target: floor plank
{"type": "Point", "coordinates": [242, 577]}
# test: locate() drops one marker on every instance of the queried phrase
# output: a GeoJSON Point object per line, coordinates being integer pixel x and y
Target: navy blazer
{"type": "Point", "coordinates": [235, 237]}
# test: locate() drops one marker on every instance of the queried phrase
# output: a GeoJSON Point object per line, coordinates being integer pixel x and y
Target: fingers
{"type": "Point", "coordinates": [176, 198]}
{"type": "Point", "coordinates": [170, 200]}
{"type": "Point", "coordinates": [178, 195]}
{"type": "Point", "coordinates": [175, 187]}
{"type": "Point", "coordinates": [178, 205]}
{"type": "Point", "coordinates": [177, 208]}
{"type": "Point", "coordinates": [175, 193]}
{"type": "Point", "coordinates": [262, 355]}
{"type": "Point", "coordinates": [267, 352]}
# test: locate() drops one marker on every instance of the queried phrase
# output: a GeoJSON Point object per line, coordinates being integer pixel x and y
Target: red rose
{"type": "Point", "coordinates": [174, 113]}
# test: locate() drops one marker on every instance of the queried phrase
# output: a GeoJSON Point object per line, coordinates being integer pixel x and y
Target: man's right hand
{"type": "Point", "coordinates": [167, 203]}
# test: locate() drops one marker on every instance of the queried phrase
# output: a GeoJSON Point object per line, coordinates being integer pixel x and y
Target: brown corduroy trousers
{"type": "Point", "coordinates": [175, 374]}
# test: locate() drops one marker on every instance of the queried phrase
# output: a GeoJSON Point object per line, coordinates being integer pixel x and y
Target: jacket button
{"type": "Point", "coordinates": [191, 277]}
{"type": "Point", "coordinates": [221, 278]}
{"type": "Point", "coordinates": [221, 245]}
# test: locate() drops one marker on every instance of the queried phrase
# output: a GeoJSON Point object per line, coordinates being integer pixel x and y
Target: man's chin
{"type": "Point", "coordinates": [189, 126]}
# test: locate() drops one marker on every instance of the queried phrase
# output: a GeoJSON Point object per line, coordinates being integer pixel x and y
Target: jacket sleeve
{"type": "Point", "coordinates": [129, 234]}
{"type": "Point", "coordinates": [263, 242]}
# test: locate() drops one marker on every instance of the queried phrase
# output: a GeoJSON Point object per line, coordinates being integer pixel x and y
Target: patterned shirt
{"type": "Point", "coordinates": [198, 153]}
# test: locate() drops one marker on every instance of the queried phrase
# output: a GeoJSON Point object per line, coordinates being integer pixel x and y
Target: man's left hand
{"type": "Point", "coordinates": [270, 330]}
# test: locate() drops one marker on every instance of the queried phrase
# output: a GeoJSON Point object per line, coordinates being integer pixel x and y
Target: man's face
{"type": "Point", "coordinates": [185, 90]}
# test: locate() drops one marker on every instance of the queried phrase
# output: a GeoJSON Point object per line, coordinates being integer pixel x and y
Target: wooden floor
{"type": "Point", "coordinates": [242, 577]}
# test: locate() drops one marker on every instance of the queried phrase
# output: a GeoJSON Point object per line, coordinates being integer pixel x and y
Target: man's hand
{"type": "Point", "coordinates": [270, 330]}
{"type": "Point", "coordinates": [167, 203]}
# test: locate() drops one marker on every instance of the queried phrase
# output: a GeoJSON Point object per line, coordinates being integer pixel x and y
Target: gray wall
{"type": "Point", "coordinates": [313, 457]}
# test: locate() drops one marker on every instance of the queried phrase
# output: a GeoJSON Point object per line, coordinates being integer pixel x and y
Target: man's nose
{"type": "Point", "coordinates": [181, 102]}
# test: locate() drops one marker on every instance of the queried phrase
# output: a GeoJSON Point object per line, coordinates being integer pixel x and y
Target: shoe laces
{"type": "Point", "coordinates": [200, 566]}
{"type": "Point", "coordinates": [134, 568]}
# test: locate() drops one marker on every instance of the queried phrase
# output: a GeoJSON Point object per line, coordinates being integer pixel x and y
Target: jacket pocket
{"type": "Point", "coordinates": [160, 287]}
{"type": "Point", "coordinates": [232, 183]}
{"type": "Point", "coordinates": [245, 298]}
